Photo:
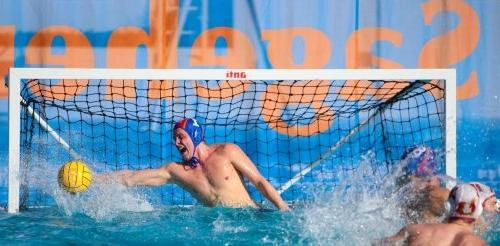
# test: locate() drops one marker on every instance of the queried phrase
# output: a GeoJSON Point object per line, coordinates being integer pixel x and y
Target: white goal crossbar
{"type": "Point", "coordinates": [17, 75]}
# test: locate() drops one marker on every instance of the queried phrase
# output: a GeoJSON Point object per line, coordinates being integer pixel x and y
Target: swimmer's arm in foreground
{"type": "Point", "coordinates": [146, 177]}
{"type": "Point", "coordinates": [245, 166]}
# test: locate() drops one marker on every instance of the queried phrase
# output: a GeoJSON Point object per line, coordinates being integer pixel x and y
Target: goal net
{"type": "Point", "coordinates": [302, 128]}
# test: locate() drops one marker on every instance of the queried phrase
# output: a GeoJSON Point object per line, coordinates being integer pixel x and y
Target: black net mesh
{"type": "Point", "coordinates": [283, 126]}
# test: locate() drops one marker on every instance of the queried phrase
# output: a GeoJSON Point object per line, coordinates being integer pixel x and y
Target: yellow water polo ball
{"type": "Point", "coordinates": [75, 176]}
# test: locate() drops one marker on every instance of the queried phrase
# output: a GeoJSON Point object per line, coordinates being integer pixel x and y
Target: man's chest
{"type": "Point", "coordinates": [215, 172]}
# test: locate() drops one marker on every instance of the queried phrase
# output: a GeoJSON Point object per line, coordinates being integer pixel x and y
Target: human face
{"type": "Point", "coordinates": [183, 144]}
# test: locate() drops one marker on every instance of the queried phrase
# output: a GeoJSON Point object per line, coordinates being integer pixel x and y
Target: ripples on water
{"type": "Point", "coordinates": [362, 208]}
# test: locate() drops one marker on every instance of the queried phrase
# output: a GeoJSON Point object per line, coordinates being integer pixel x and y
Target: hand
{"type": "Point", "coordinates": [284, 208]}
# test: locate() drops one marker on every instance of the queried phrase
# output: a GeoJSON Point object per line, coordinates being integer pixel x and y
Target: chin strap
{"type": "Point", "coordinates": [193, 163]}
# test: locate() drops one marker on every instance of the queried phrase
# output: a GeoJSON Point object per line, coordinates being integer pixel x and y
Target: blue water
{"type": "Point", "coordinates": [352, 214]}
{"type": "Point", "coordinates": [325, 224]}
{"type": "Point", "coordinates": [171, 226]}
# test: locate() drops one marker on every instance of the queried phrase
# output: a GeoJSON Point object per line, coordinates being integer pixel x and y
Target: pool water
{"type": "Point", "coordinates": [171, 226]}
{"type": "Point", "coordinates": [354, 213]}
{"type": "Point", "coordinates": [319, 225]}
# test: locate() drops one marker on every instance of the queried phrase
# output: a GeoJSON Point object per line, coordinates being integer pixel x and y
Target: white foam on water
{"type": "Point", "coordinates": [104, 201]}
{"type": "Point", "coordinates": [356, 212]}
{"type": "Point", "coordinates": [222, 225]}
{"type": "Point", "coordinates": [100, 201]}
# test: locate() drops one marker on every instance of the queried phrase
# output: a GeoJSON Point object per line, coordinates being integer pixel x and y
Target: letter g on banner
{"type": "Point", "coordinates": [313, 93]}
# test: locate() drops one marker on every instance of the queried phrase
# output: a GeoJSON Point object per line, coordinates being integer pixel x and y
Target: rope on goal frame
{"type": "Point", "coordinates": [51, 131]}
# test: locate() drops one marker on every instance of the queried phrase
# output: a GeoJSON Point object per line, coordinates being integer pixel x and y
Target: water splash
{"type": "Point", "coordinates": [362, 208]}
{"type": "Point", "coordinates": [100, 201]}
{"type": "Point", "coordinates": [222, 225]}
{"type": "Point", "coordinates": [103, 201]}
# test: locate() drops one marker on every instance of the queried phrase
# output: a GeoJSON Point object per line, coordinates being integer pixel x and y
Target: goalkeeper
{"type": "Point", "coordinates": [213, 174]}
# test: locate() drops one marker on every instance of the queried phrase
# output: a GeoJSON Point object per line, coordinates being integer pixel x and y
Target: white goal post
{"type": "Point", "coordinates": [18, 75]}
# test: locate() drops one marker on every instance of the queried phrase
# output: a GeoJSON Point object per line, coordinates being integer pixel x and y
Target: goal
{"type": "Point", "coordinates": [302, 128]}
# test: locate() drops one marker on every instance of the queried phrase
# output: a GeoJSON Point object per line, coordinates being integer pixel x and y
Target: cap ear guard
{"type": "Point", "coordinates": [485, 193]}
{"type": "Point", "coordinates": [197, 135]}
{"type": "Point", "coordinates": [465, 203]}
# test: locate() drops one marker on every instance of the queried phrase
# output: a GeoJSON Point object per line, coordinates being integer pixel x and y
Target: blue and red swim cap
{"type": "Point", "coordinates": [195, 132]}
{"type": "Point", "coordinates": [192, 128]}
{"type": "Point", "coordinates": [420, 160]}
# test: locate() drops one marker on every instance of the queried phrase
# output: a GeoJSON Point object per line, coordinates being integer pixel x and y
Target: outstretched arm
{"type": "Point", "coordinates": [246, 167]}
{"type": "Point", "coordinates": [147, 177]}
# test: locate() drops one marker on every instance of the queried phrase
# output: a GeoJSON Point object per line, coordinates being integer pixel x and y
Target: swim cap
{"type": "Point", "coordinates": [419, 160]}
{"type": "Point", "coordinates": [485, 192]}
{"type": "Point", "coordinates": [195, 132]}
{"type": "Point", "coordinates": [465, 203]}
{"type": "Point", "coordinates": [192, 128]}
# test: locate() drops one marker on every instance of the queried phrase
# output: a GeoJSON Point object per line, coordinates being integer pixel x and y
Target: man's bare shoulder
{"type": "Point", "coordinates": [417, 229]}
{"type": "Point", "coordinates": [172, 167]}
{"type": "Point", "coordinates": [228, 148]}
